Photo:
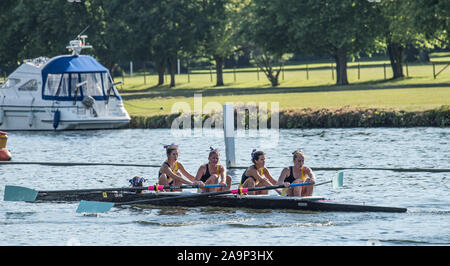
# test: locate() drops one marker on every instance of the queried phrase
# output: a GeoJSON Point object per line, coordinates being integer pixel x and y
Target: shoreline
{"type": "Point", "coordinates": [346, 117]}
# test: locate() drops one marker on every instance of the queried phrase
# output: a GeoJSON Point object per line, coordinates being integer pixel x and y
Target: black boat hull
{"type": "Point", "coordinates": [315, 204]}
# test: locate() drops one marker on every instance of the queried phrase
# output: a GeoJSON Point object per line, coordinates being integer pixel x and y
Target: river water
{"type": "Point", "coordinates": [426, 195]}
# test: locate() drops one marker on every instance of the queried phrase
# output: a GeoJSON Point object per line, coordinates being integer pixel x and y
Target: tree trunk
{"type": "Point", "coordinates": [341, 67]}
{"type": "Point", "coordinates": [172, 68]}
{"type": "Point", "coordinates": [395, 52]}
{"type": "Point", "coordinates": [161, 66]}
{"type": "Point", "coordinates": [219, 70]}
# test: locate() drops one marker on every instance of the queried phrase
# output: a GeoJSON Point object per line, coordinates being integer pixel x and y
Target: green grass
{"type": "Point", "coordinates": [418, 92]}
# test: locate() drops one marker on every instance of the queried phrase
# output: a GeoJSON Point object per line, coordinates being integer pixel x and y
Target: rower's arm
{"type": "Point", "coordinates": [185, 173]}
{"type": "Point", "coordinates": [201, 171]}
{"type": "Point", "coordinates": [171, 174]}
{"type": "Point", "coordinates": [269, 176]}
{"type": "Point", "coordinates": [222, 174]}
{"type": "Point", "coordinates": [311, 175]}
{"type": "Point", "coordinates": [283, 176]}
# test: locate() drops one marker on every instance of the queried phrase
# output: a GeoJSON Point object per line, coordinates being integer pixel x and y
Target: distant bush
{"type": "Point", "coordinates": [328, 118]}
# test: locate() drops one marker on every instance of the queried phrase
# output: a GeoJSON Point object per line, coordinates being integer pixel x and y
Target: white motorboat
{"type": "Point", "coordinates": [62, 93]}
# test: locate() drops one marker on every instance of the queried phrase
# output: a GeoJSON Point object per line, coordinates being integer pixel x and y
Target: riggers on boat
{"type": "Point", "coordinates": [315, 204]}
{"type": "Point", "coordinates": [65, 92]}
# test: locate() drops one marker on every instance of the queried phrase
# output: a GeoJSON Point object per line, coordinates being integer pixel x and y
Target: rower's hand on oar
{"type": "Point", "coordinates": [286, 184]}
{"type": "Point", "coordinates": [199, 183]}
{"type": "Point", "coordinates": [310, 181]}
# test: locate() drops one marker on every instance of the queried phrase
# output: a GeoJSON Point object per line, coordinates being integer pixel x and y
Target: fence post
{"type": "Point", "coordinates": [234, 73]}
{"type": "Point", "coordinates": [407, 70]}
{"type": "Point", "coordinates": [359, 71]}
{"type": "Point", "coordinates": [332, 71]}
{"type": "Point", "coordinates": [434, 71]}
{"type": "Point", "coordinates": [145, 77]}
{"type": "Point", "coordinates": [131, 68]}
{"type": "Point", "coordinates": [189, 75]}
{"type": "Point", "coordinates": [307, 72]}
{"type": "Point", "coordinates": [210, 73]}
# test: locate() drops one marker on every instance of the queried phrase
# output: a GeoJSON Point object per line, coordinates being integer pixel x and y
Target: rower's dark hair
{"type": "Point", "coordinates": [256, 154]}
{"type": "Point", "coordinates": [170, 148]}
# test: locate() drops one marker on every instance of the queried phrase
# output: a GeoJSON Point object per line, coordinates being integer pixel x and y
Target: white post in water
{"type": "Point", "coordinates": [228, 126]}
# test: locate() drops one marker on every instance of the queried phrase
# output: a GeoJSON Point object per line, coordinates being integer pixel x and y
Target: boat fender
{"type": "Point", "coordinates": [56, 119]}
{"type": "Point", "coordinates": [31, 119]}
{"type": "Point", "coordinates": [2, 114]}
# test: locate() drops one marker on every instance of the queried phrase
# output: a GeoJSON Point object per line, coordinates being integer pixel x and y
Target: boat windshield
{"type": "Point", "coordinates": [67, 86]}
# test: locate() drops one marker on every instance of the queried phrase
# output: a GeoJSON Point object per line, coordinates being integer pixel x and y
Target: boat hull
{"type": "Point", "coordinates": [41, 119]}
{"type": "Point", "coordinates": [314, 204]}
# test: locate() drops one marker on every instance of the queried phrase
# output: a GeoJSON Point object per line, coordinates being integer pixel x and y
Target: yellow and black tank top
{"type": "Point", "coordinates": [174, 170]}
{"type": "Point", "coordinates": [208, 174]}
{"type": "Point", "coordinates": [291, 177]}
{"type": "Point", "coordinates": [244, 177]}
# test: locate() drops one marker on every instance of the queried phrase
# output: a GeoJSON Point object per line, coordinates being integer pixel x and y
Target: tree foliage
{"type": "Point", "coordinates": [164, 30]}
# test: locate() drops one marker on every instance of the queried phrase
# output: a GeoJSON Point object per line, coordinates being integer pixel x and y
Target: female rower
{"type": "Point", "coordinates": [299, 173]}
{"type": "Point", "coordinates": [168, 173]}
{"type": "Point", "coordinates": [257, 175]}
{"type": "Point", "coordinates": [212, 173]}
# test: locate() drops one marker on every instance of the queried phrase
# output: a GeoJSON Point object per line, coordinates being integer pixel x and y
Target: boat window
{"type": "Point", "coordinates": [9, 83]}
{"type": "Point", "coordinates": [73, 84]}
{"type": "Point", "coordinates": [52, 84]}
{"type": "Point", "coordinates": [31, 85]}
{"type": "Point", "coordinates": [94, 84]}
{"type": "Point", "coordinates": [107, 84]}
{"type": "Point", "coordinates": [63, 89]}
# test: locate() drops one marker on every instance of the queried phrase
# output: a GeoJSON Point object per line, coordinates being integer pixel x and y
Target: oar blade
{"type": "Point", "coordinates": [16, 193]}
{"type": "Point", "coordinates": [338, 180]}
{"type": "Point", "coordinates": [94, 206]}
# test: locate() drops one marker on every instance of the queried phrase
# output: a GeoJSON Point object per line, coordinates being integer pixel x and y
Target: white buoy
{"type": "Point", "coordinates": [228, 126]}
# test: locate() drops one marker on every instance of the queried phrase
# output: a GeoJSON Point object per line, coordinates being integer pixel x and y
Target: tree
{"type": "Point", "coordinates": [218, 25]}
{"type": "Point", "coordinates": [263, 32]}
{"type": "Point", "coordinates": [339, 28]}
{"type": "Point", "coordinates": [432, 18]}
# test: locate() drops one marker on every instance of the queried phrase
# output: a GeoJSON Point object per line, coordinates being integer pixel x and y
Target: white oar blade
{"type": "Point", "coordinates": [338, 180]}
{"type": "Point", "coordinates": [15, 193]}
{"type": "Point", "coordinates": [94, 206]}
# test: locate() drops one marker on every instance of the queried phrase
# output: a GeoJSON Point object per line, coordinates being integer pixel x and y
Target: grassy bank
{"type": "Point", "coordinates": [304, 88]}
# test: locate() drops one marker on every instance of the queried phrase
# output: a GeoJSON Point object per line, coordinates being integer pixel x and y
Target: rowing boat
{"type": "Point", "coordinates": [315, 204]}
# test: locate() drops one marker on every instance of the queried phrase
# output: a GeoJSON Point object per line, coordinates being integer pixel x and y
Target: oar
{"type": "Point", "coordinates": [337, 181]}
{"type": "Point", "coordinates": [17, 193]}
{"type": "Point", "coordinates": [98, 206]}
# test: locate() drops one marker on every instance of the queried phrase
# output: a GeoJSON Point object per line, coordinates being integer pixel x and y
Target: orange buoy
{"type": "Point", "coordinates": [5, 155]}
